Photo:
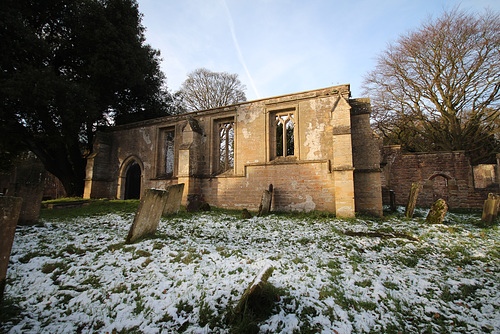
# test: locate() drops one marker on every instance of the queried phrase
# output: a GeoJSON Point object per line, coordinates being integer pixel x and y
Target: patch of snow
{"type": "Point", "coordinates": [199, 267]}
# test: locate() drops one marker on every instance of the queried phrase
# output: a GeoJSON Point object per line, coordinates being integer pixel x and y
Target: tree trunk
{"type": "Point", "coordinates": [65, 162]}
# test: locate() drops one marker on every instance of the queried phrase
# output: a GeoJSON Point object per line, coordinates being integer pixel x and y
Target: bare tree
{"type": "Point", "coordinates": [438, 88]}
{"type": "Point", "coordinates": [204, 89]}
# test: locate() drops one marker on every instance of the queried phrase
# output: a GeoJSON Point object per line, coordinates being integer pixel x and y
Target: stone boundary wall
{"type": "Point", "coordinates": [447, 175]}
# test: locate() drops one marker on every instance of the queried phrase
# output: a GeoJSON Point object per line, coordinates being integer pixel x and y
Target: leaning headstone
{"type": "Point", "coordinates": [265, 202]}
{"type": "Point", "coordinates": [174, 198]}
{"type": "Point", "coordinates": [29, 186]}
{"type": "Point", "coordinates": [490, 208]}
{"type": "Point", "coordinates": [10, 208]}
{"type": "Point", "coordinates": [437, 212]}
{"type": "Point", "coordinates": [255, 287]}
{"type": "Point", "coordinates": [412, 199]}
{"type": "Point", "coordinates": [148, 214]}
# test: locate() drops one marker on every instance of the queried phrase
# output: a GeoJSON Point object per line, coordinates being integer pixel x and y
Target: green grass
{"type": "Point", "coordinates": [97, 207]}
{"type": "Point", "coordinates": [10, 310]}
{"type": "Point", "coordinates": [48, 268]}
{"type": "Point", "coordinates": [64, 200]}
{"type": "Point", "coordinates": [94, 208]}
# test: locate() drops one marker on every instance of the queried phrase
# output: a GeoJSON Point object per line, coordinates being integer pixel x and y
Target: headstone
{"type": "Point", "coordinates": [392, 200]}
{"type": "Point", "coordinates": [245, 214]}
{"type": "Point", "coordinates": [265, 202]}
{"type": "Point", "coordinates": [437, 212]}
{"type": "Point", "coordinates": [412, 200]}
{"type": "Point", "coordinates": [194, 202]}
{"type": "Point", "coordinates": [10, 208]}
{"type": "Point", "coordinates": [490, 208]}
{"type": "Point", "coordinates": [174, 198]}
{"type": "Point", "coordinates": [148, 214]}
{"type": "Point", "coordinates": [29, 186]}
{"type": "Point", "coordinates": [255, 287]}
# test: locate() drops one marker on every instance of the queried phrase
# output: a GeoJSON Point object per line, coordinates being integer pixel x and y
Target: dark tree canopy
{"type": "Point", "coordinates": [68, 66]}
{"type": "Point", "coordinates": [204, 89]}
{"type": "Point", "coordinates": [438, 87]}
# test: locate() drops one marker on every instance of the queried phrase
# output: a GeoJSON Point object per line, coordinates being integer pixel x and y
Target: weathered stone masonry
{"type": "Point", "coordinates": [315, 147]}
{"type": "Point", "coordinates": [446, 175]}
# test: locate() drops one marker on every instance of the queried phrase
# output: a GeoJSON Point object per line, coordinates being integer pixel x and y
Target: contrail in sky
{"type": "Point", "coordinates": [240, 55]}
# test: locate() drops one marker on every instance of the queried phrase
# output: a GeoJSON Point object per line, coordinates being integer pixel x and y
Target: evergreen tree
{"type": "Point", "coordinates": [67, 67]}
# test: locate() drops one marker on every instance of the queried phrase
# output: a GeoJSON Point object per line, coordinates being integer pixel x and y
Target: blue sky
{"type": "Point", "coordinates": [284, 46]}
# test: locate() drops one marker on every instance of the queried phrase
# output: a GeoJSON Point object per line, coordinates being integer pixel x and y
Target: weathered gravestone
{"type": "Point", "coordinates": [437, 212]}
{"type": "Point", "coordinates": [154, 203]}
{"type": "Point", "coordinates": [148, 214]}
{"type": "Point", "coordinates": [265, 202]}
{"type": "Point", "coordinates": [412, 199]}
{"type": "Point", "coordinates": [10, 208]}
{"type": "Point", "coordinates": [245, 214]}
{"type": "Point", "coordinates": [174, 198]}
{"type": "Point", "coordinates": [255, 287]}
{"type": "Point", "coordinates": [29, 186]}
{"type": "Point", "coordinates": [490, 208]}
{"type": "Point", "coordinates": [194, 202]}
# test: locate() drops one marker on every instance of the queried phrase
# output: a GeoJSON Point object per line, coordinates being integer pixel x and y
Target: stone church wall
{"type": "Point", "coordinates": [330, 165]}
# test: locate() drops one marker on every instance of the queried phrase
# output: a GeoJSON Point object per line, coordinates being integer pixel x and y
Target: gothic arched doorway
{"type": "Point", "coordinates": [133, 181]}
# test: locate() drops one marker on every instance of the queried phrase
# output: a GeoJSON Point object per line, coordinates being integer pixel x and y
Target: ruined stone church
{"type": "Point", "coordinates": [316, 148]}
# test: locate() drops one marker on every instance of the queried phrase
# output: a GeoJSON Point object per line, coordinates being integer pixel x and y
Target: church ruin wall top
{"type": "Point", "coordinates": [341, 90]}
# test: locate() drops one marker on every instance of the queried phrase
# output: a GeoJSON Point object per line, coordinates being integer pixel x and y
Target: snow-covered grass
{"type": "Point", "coordinates": [76, 275]}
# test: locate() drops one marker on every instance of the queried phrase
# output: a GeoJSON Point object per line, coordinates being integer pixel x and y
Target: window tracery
{"type": "Point", "coordinates": [285, 134]}
{"type": "Point", "coordinates": [225, 146]}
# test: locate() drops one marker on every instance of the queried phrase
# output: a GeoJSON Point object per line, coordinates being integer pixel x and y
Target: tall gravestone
{"type": "Point", "coordinates": [174, 198]}
{"type": "Point", "coordinates": [10, 208]}
{"type": "Point", "coordinates": [266, 200]}
{"type": "Point", "coordinates": [412, 200]}
{"type": "Point", "coordinates": [490, 208]}
{"type": "Point", "coordinates": [29, 186]}
{"type": "Point", "coordinates": [154, 203]}
{"type": "Point", "coordinates": [148, 214]}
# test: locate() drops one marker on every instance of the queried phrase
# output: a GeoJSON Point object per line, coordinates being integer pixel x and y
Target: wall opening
{"type": "Point", "coordinates": [440, 187]}
{"type": "Point", "coordinates": [226, 146]}
{"type": "Point", "coordinates": [166, 153]}
{"type": "Point", "coordinates": [133, 181]}
{"type": "Point", "coordinates": [283, 134]}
